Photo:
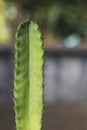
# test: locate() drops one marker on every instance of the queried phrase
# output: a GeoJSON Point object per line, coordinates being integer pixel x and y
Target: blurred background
{"type": "Point", "coordinates": [64, 27]}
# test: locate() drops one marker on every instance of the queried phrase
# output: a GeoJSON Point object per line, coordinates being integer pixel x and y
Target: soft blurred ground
{"type": "Point", "coordinates": [56, 117]}
{"type": "Point", "coordinates": [7, 117]}
{"type": "Point", "coordinates": [65, 117]}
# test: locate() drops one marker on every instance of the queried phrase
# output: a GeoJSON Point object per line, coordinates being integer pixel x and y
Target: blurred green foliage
{"type": "Point", "coordinates": [61, 17]}
{"type": "Point", "coordinates": [4, 29]}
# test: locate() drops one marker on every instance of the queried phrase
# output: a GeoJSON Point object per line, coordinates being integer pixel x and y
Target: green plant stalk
{"type": "Point", "coordinates": [28, 85]}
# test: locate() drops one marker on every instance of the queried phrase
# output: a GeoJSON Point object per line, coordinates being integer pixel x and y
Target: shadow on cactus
{"type": "Point", "coordinates": [28, 90]}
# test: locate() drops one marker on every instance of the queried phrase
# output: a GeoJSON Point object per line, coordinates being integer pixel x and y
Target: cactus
{"type": "Point", "coordinates": [28, 76]}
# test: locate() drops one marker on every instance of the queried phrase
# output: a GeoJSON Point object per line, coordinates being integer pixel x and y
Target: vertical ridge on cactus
{"type": "Point", "coordinates": [28, 75]}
